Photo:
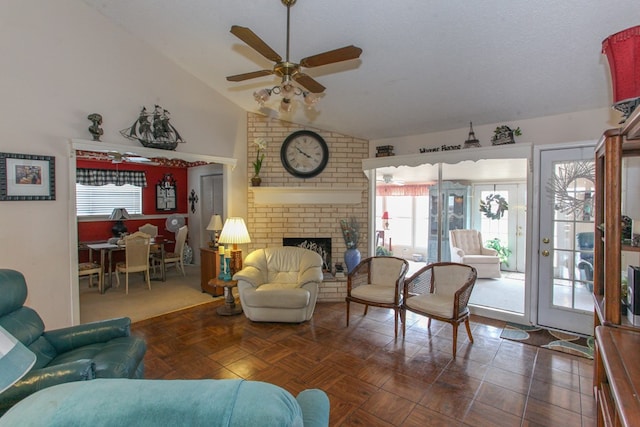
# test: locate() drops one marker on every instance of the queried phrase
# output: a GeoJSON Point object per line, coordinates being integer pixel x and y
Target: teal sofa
{"type": "Point", "coordinates": [122, 402]}
{"type": "Point", "coordinates": [102, 349]}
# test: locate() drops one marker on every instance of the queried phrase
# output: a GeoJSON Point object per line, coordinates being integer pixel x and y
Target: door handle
{"type": "Point", "coordinates": [545, 240]}
{"type": "Point", "coordinates": [545, 253]}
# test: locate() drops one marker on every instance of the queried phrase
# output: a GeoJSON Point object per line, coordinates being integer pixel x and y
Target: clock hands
{"type": "Point", "coordinates": [302, 152]}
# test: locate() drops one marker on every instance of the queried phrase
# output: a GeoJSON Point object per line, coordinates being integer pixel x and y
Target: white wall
{"type": "Point", "coordinates": [60, 61]}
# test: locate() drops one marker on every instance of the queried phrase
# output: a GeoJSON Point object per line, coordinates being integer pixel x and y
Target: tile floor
{"type": "Point", "coordinates": [373, 379]}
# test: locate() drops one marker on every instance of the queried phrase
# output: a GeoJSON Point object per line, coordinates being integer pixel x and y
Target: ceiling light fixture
{"type": "Point", "coordinates": [295, 84]}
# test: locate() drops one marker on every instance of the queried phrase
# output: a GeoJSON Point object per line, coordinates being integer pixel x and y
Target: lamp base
{"type": "Point", "coordinates": [118, 229]}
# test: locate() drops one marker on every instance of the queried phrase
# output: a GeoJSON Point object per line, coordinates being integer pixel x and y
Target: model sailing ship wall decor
{"type": "Point", "coordinates": [153, 130]}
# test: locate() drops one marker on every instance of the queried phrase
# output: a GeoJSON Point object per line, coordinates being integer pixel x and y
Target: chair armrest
{"type": "Point", "coordinates": [72, 337]}
{"type": "Point", "coordinates": [38, 379]}
{"type": "Point", "coordinates": [315, 407]}
{"type": "Point", "coordinates": [457, 253]}
{"type": "Point", "coordinates": [489, 251]}
{"type": "Point", "coordinates": [250, 274]}
{"type": "Point", "coordinates": [313, 274]}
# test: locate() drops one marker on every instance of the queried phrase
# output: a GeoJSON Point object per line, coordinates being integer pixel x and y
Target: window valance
{"type": "Point", "coordinates": [99, 177]}
{"type": "Point", "coordinates": [402, 190]}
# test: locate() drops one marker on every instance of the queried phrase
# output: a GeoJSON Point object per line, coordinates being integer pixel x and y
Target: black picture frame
{"type": "Point", "coordinates": [166, 194]}
{"type": "Point", "coordinates": [27, 177]}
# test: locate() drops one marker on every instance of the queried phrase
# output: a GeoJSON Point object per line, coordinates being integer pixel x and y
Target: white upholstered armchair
{"type": "Point", "coordinates": [280, 284]}
{"type": "Point", "coordinates": [467, 248]}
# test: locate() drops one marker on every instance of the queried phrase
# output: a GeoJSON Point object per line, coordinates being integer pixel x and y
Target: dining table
{"type": "Point", "coordinates": [106, 250]}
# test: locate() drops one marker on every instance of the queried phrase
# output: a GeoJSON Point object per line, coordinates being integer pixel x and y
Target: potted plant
{"type": "Point", "coordinates": [257, 165]}
{"type": "Point", "coordinates": [503, 251]}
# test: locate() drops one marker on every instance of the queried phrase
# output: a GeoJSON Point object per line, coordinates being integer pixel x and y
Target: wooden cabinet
{"type": "Point", "coordinates": [617, 340]}
{"type": "Point", "coordinates": [209, 268]}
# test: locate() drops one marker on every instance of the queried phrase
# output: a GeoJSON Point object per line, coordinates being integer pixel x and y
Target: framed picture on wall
{"type": "Point", "coordinates": [27, 177]}
{"type": "Point", "coordinates": [166, 197]}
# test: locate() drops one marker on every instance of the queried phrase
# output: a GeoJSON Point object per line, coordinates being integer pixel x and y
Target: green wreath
{"type": "Point", "coordinates": [493, 206]}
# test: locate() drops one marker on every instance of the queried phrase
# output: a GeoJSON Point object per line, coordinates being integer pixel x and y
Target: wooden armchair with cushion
{"type": "Point", "coordinates": [441, 291]}
{"type": "Point", "coordinates": [377, 281]}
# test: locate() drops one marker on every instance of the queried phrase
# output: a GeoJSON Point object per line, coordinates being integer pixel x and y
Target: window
{"type": "Point", "coordinates": [101, 200]}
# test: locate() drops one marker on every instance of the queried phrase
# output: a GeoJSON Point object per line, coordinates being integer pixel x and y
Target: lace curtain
{"type": "Point", "coordinates": [98, 177]}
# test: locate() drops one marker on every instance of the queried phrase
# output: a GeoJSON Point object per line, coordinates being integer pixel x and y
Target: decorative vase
{"type": "Point", "coordinates": [351, 258]}
{"type": "Point", "coordinates": [256, 181]}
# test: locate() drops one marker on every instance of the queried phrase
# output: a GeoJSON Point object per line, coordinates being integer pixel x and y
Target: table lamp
{"type": "Point", "coordinates": [385, 220]}
{"type": "Point", "coordinates": [235, 232]}
{"type": "Point", "coordinates": [15, 360]}
{"type": "Point", "coordinates": [118, 215]}
{"type": "Point", "coordinates": [215, 225]}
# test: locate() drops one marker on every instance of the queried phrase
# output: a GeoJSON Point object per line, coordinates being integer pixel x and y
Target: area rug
{"type": "Point", "coordinates": [565, 342]}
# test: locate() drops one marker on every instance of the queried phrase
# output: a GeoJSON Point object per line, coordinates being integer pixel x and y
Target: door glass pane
{"type": "Point", "coordinates": [572, 236]}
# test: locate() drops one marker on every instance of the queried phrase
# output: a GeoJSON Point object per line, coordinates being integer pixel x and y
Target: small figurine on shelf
{"type": "Point", "coordinates": [95, 130]}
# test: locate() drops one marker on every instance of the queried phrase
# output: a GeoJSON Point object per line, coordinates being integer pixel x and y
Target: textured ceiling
{"type": "Point", "coordinates": [426, 65]}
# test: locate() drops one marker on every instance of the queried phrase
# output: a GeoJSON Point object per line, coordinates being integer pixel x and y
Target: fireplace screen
{"type": "Point", "coordinates": [321, 245]}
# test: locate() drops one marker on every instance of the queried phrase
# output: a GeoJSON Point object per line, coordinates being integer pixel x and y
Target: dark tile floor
{"type": "Point", "coordinates": [373, 379]}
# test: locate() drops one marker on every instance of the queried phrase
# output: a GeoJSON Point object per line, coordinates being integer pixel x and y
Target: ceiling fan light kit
{"type": "Point", "coordinates": [295, 84]}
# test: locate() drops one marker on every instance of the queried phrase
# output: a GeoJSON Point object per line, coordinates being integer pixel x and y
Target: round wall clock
{"type": "Point", "coordinates": [304, 154]}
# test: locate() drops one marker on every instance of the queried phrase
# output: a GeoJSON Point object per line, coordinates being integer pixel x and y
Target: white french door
{"type": "Point", "coordinates": [565, 240]}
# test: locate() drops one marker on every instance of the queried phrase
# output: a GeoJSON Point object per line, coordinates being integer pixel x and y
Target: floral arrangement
{"type": "Point", "coordinates": [350, 232]}
{"type": "Point", "coordinates": [262, 145]}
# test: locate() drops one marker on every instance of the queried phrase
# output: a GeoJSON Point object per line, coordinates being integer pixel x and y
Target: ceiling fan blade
{"type": "Point", "coordinates": [309, 83]}
{"type": "Point", "coordinates": [250, 38]}
{"type": "Point", "coordinates": [332, 56]}
{"type": "Point", "coordinates": [251, 75]}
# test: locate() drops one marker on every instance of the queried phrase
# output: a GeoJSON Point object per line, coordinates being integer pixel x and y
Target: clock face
{"type": "Point", "coordinates": [304, 154]}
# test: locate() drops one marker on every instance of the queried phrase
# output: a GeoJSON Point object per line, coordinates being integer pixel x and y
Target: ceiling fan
{"type": "Point", "coordinates": [117, 157]}
{"type": "Point", "coordinates": [289, 70]}
{"type": "Point", "coordinates": [388, 179]}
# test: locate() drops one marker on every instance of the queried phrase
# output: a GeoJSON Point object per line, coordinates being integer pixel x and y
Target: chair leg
{"type": "Point", "coordinates": [455, 339]}
{"type": "Point", "coordinates": [466, 323]}
{"type": "Point", "coordinates": [182, 267]}
{"type": "Point", "coordinates": [347, 312]}
{"type": "Point", "coordinates": [366, 308]}
{"type": "Point", "coordinates": [146, 276]}
{"type": "Point", "coordinates": [403, 317]}
{"type": "Point", "coordinates": [396, 314]}
{"type": "Point", "coordinates": [117, 279]}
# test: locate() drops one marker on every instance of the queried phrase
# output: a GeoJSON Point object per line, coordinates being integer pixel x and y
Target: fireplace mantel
{"type": "Point", "coordinates": [306, 195]}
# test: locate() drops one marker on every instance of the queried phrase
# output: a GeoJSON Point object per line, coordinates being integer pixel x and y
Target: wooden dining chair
{"type": "Point", "coordinates": [177, 256]}
{"type": "Point", "coordinates": [89, 269]}
{"type": "Point", "coordinates": [137, 258]}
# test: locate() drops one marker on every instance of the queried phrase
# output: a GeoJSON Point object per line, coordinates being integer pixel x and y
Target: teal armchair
{"type": "Point", "coordinates": [103, 349]}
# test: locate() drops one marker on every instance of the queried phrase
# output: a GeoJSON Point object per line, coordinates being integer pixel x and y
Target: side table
{"type": "Point", "coordinates": [230, 307]}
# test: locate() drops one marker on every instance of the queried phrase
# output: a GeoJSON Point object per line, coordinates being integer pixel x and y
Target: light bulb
{"type": "Point", "coordinates": [261, 96]}
{"type": "Point", "coordinates": [286, 105]}
{"type": "Point", "coordinates": [288, 90]}
{"type": "Point", "coordinates": [310, 99]}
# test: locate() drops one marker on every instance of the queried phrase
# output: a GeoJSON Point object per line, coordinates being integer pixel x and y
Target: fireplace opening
{"type": "Point", "coordinates": [321, 245]}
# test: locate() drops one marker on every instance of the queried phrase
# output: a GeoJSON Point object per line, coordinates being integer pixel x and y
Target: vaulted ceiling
{"type": "Point", "coordinates": [426, 65]}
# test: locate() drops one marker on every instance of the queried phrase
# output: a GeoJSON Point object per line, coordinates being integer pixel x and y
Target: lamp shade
{"type": "Point", "coordinates": [215, 223]}
{"type": "Point", "coordinates": [623, 54]}
{"type": "Point", "coordinates": [234, 232]}
{"type": "Point", "coordinates": [119, 214]}
{"type": "Point", "coordinates": [385, 215]}
{"type": "Point", "coordinates": [15, 360]}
